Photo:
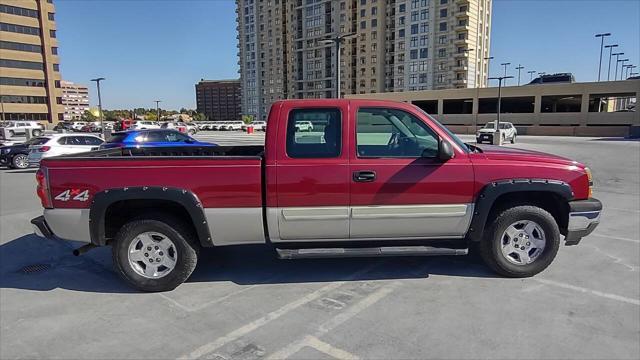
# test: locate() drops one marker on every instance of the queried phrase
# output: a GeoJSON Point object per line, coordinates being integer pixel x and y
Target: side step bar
{"type": "Point", "coordinates": [368, 252]}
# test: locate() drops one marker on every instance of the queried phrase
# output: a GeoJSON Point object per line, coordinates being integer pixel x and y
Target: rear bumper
{"type": "Point", "coordinates": [584, 217]}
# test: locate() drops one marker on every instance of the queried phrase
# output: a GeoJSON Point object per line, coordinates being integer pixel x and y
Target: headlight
{"type": "Point", "coordinates": [5, 151]}
{"type": "Point", "coordinates": [590, 178]}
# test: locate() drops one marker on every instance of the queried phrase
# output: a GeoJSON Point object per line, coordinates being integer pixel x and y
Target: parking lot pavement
{"type": "Point", "coordinates": [242, 303]}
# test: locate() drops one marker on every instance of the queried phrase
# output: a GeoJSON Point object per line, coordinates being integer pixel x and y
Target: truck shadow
{"type": "Point", "coordinates": [33, 263]}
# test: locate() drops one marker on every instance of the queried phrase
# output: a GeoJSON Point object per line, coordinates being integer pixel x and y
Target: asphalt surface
{"type": "Point", "coordinates": [242, 303]}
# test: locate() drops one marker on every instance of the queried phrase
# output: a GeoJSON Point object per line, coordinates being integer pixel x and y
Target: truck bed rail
{"type": "Point", "coordinates": [172, 151]}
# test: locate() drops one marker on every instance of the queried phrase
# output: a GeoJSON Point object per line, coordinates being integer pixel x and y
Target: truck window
{"type": "Point", "coordinates": [383, 132]}
{"type": "Point", "coordinates": [321, 140]}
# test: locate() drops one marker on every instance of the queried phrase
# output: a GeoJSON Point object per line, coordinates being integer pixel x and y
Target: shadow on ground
{"type": "Point", "coordinates": [34, 263]}
{"type": "Point", "coordinates": [637, 139]}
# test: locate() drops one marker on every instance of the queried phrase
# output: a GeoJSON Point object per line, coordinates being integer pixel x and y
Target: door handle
{"type": "Point", "coordinates": [364, 176]}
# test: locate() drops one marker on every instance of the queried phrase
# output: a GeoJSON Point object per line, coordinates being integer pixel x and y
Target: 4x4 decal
{"type": "Point", "coordinates": [75, 194]}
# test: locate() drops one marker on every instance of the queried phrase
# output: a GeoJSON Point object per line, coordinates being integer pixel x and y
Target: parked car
{"type": "Point", "coordinates": [257, 125]}
{"type": "Point", "coordinates": [92, 127]}
{"type": "Point", "coordinates": [14, 128]}
{"type": "Point", "coordinates": [151, 138]}
{"type": "Point", "coordinates": [231, 126]}
{"type": "Point", "coordinates": [123, 125]}
{"type": "Point", "coordinates": [304, 126]}
{"type": "Point", "coordinates": [78, 125]}
{"type": "Point", "coordinates": [63, 126]}
{"type": "Point", "coordinates": [392, 181]}
{"type": "Point", "coordinates": [217, 125]}
{"type": "Point", "coordinates": [15, 156]}
{"type": "Point", "coordinates": [144, 124]}
{"type": "Point", "coordinates": [183, 127]}
{"type": "Point", "coordinates": [62, 144]}
{"type": "Point", "coordinates": [507, 131]}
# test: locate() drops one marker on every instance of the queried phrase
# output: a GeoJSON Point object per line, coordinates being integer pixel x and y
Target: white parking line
{"type": "Point", "coordinates": [334, 322]}
{"type": "Point", "coordinates": [244, 330]}
{"type": "Point", "coordinates": [315, 343]}
{"type": "Point", "coordinates": [621, 209]}
{"type": "Point", "coordinates": [637, 241]}
{"type": "Point", "coordinates": [589, 291]}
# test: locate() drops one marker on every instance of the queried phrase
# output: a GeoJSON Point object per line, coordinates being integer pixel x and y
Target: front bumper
{"type": "Point", "coordinates": [41, 228]}
{"type": "Point", "coordinates": [584, 217]}
{"type": "Point", "coordinates": [484, 137]}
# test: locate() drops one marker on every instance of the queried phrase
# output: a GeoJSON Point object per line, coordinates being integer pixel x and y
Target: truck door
{"type": "Point", "coordinates": [312, 174]}
{"type": "Point", "coordinates": [399, 188]}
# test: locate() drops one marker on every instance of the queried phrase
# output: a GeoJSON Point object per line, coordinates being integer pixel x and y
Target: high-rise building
{"type": "Point", "coordinates": [219, 100]}
{"type": "Point", "coordinates": [396, 45]}
{"type": "Point", "coordinates": [29, 62]}
{"type": "Point", "coordinates": [75, 99]}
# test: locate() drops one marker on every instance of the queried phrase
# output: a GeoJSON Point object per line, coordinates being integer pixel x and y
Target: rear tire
{"type": "Point", "coordinates": [36, 132]}
{"type": "Point", "coordinates": [491, 247]}
{"type": "Point", "coordinates": [181, 256]}
{"type": "Point", "coordinates": [513, 139]}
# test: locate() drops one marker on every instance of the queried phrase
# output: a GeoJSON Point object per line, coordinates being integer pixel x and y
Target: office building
{"type": "Point", "coordinates": [219, 100]}
{"type": "Point", "coordinates": [75, 99]}
{"type": "Point", "coordinates": [396, 45]}
{"type": "Point", "coordinates": [29, 62]}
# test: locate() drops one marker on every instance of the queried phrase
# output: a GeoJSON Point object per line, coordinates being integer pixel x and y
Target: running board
{"type": "Point", "coordinates": [368, 252]}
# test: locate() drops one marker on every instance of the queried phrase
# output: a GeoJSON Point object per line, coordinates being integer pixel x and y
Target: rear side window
{"type": "Point", "coordinates": [314, 133]}
{"type": "Point", "coordinates": [118, 138]}
{"type": "Point", "coordinates": [38, 141]}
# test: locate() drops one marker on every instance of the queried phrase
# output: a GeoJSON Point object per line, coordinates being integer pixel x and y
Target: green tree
{"type": "Point", "coordinates": [247, 119]}
{"type": "Point", "coordinates": [88, 116]}
{"type": "Point", "coordinates": [199, 117]}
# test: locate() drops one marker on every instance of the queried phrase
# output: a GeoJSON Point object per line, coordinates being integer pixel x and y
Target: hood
{"type": "Point", "coordinates": [493, 152]}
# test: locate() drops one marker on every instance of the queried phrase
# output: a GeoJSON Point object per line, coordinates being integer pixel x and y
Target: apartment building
{"type": "Point", "coordinates": [75, 100]}
{"type": "Point", "coordinates": [219, 100]}
{"type": "Point", "coordinates": [287, 49]}
{"type": "Point", "coordinates": [30, 87]}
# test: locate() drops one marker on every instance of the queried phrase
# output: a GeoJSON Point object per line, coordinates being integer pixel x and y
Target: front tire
{"type": "Point", "coordinates": [36, 132]}
{"type": "Point", "coordinates": [155, 254]}
{"type": "Point", "coordinates": [513, 139]}
{"type": "Point", "coordinates": [521, 242]}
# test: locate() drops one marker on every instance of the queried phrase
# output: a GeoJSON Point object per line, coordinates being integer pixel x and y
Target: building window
{"type": "Point", "coordinates": [9, 45]}
{"type": "Point", "coordinates": [14, 10]}
{"type": "Point", "coordinates": [20, 29]}
{"type": "Point", "coordinates": [56, 67]}
{"type": "Point", "coordinates": [442, 52]}
{"type": "Point", "coordinates": [17, 99]}
{"type": "Point", "coordinates": [424, 53]}
{"type": "Point", "coordinates": [51, 16]}
{"type": "Point", "coordinates": [54, 50]}
{"type": "Point", "coordinates": [402, 8]}
{"type": "Point", "coordinates": [413, 54]}
{"type": "Point", "coordinates": [19, 64]}
{"type": "Point", "coordinates": [443, 13]}
{"type": "Point", "coordinates": [443, 26]}
{"type": "Point", "coordinates": [21, 82]}
{"type": "Point", "coordinates": [374, 23]}
{"type": "Point", "coordinates": [52, 33]}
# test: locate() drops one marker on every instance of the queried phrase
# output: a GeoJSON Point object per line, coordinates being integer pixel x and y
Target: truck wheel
{"type": "Point", "coordinates": [521, 242]}
{"type": "Point", "coordinates": [20, 161]}
{"type": "Point", "coordinates": [155, 254]}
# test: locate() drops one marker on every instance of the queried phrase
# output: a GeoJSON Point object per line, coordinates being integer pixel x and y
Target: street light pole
{"type": "Point", "coordinates": [610, 53]}
{"type": "Point", "coordinates": [615, 76]}
{"type": "Point", "coordinates": [520, 67]}
{"type": "Point", "coordinates": [601, 36]}
{"type": "Point", "coordinates": [622, 67]}
{"type": "Point", "coordinates": [497, 137]}
{"type": "Point", "coordinates": [338, 41]}
{"type": "Point", "coordinates": [104, 131]}
{"type": "Point", "coordinates": [505, 71]}
{"type": "Point", "coordinates": [157, 109]}
{"type": "Point", "coordinates": [531, 72]}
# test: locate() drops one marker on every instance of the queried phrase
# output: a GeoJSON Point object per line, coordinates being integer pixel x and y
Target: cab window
{"type": "Point", "coordinates": [324, 141]}
{"type": "Point", "coordinates": [385, 132]}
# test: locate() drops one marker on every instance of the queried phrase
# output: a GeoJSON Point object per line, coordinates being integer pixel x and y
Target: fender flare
{"type": "Point", "coordinates": [185, 198]}
{"type": "Point", "coordinates": [491, 192]}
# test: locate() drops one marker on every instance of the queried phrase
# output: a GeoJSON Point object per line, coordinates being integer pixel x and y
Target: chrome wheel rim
{"type": "Point", "coordinates": [21, 161]}
{"type": "Point", "coordinates": [152, 255]}
{"type": "Point", "coordinates": [523, 242]}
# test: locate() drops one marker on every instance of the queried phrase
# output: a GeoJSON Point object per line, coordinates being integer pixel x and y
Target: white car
{"type": "Point", "coordinates": [231, 126]}
{"type": "Point", "coordinates": [304, 126]}
{"type": "Point", "coordinates": [217, 125]}
{"type": "Point", "coordinates": [78, 125]}
{"type": "Point", "coordinates": [13, 128]}
{"type": "Point", "coordinates": [61, 144]}
{"type": "Point", "coordinates": [145, 124]}
{"type": "Point", "coordinates": [507, 131]}
{"type": "Point", "coordinates": [257, 125]}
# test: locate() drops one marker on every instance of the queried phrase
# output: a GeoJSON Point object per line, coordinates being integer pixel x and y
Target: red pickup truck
{"type": "Point", "coordinates": [373, 178]}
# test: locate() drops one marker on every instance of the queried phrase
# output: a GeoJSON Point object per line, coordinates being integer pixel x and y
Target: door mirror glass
{"type": "Point", "coordinates": [445, 151]}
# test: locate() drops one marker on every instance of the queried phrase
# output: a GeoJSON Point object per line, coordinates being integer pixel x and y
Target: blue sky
{"type": "Point", "coordinates": [159, 49]}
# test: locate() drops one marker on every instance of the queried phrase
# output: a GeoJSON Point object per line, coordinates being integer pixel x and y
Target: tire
{"type": "Point", "coordinates": [513, 139]}
{"type": "Point", "coordinates": [495, 236]}
{"type": "Point", "coordinates": [185, 252]}
{"type": "Point", "coordinates": [20, 161]}
{"type": "Point", "coordinates": [36, 132]}
{"type": "Point", "coordinates": [192, 132]}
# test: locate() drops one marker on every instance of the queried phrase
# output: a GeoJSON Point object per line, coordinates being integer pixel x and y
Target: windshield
{"type": "Point", "coordinates": [453, 137]}
{"type": "Point", "coordinates": [492, 125]}
{"type": "Point", "coordinates": [37, 141]}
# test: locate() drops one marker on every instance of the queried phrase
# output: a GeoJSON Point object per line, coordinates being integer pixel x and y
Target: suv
{"type": "Point", "coordinates": [507, 131]}
{"type": "Point", "coordinates": [13, 128]}
{"type": "Point", "coordinates": [62, 144]}
{"type": "Point", "coordinates": [145, 124]}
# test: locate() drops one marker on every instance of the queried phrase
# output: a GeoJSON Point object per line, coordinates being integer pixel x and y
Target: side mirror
{"type": "Point", "coordinates": [445, 151]}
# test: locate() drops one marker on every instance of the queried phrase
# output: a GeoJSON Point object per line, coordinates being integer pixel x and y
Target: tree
{"type": "Point", "coordinates": [151, 115]}
{"type": "Point", "coordinates": [199, 117]}
{"type": "Point", "coordinates": [88, 116]}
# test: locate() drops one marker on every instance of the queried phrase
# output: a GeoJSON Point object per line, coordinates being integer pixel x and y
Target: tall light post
{"type": "Point", "coordinates": [157, 109]}
{"type": "Point", "coordinates": [338, 42]}
{"type": "Point", "coordinates": [630, 67]}
{"type": "Point", "coordinates": [531, 72]}
{"type": "Point", "coordinates": [520, 67]}
{"type": "Point", "coordinates": [615, 76]}
{"type": "Point", "coordinates": [104, 131]}
{"type": "Point", "coordinates": [610, 54]}
{"type": "Point", "coordinates": [505, 71]}
{"type": "Point", "coordinates": [497, 138]}
{"type": "Point", "coordinates": [601, 36]}
{"type": "Point", "coordinates": [622, 67]}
